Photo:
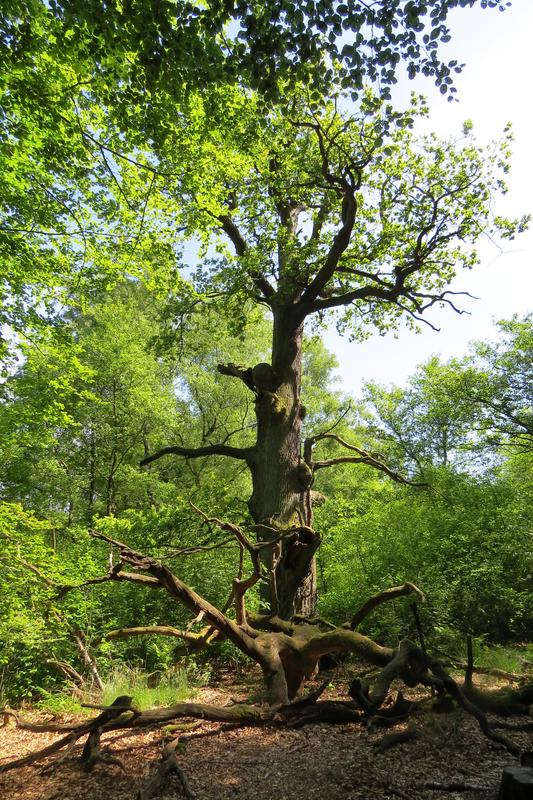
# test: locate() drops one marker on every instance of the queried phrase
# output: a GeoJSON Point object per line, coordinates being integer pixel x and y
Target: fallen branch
{"type": "Point", "coordinates": [394, 739]}
{"type": "Point", "coordinates": [453, 689]}
{"type": "Point", "coordinates": [456, 786]}
{"type": "Point", "coordinates": [169, 765]}
{"type": "Point", "coordinates": [110, 714]}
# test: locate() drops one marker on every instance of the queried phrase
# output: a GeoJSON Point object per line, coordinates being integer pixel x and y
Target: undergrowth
{"type": "Point", "coordinates": [147, 690]}
{"type": "Point", "coordinates": [156, 689]}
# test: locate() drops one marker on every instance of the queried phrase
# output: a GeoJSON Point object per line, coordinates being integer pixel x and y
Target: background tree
{"type": "Point", "coordinates": [495, 382]}
{"type": "Point", "coordinates": [463, 411]}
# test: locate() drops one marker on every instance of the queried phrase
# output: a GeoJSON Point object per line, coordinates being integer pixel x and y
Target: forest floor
{"type": "Point", "coordinates": [316, 762]}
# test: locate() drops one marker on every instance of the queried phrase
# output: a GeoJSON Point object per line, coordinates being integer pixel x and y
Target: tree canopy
{"type": "Point", "coordinates": [97, 103]}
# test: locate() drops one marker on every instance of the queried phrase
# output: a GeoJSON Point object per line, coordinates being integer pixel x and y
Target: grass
{"type": "Point", "coordinates": [507, 658]}
{"type": "Point", "coordinates": [147, 691]}
{"type": "Point", "coordinates": [60, 703]}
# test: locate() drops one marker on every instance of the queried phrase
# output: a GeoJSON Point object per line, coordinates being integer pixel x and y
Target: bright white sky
{"type": "Point", "coordinates": [494, 88]}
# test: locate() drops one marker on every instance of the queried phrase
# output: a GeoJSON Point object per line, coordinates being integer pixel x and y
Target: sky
{"type": "Point", "coordinates": [494, 88]}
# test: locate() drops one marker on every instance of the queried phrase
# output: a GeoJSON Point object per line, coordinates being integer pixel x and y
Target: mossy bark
{"type": "Point", "coordinates": [281, 481]}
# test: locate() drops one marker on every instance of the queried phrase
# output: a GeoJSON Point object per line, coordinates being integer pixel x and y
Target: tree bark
{"type": "Point", "coordinates": [280, 478]}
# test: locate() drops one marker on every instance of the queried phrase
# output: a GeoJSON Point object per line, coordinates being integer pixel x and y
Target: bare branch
{"type": "Point", "coordinates": [189, 551]}
{"type": "Point", "coordinates": [195, 639]}
{"type": "Point", "coordinates": [234, 371]}
{"type": "Point", "coordinates": [184, 594]}
{"type": "Point", "coordinates": [363, 457]}
{"type": "Point", "coordinates": [384, 597]}
{"type": "Point", "coordinates": [310, 441]}
{"type": "Point", "coordinates": [198, 452]}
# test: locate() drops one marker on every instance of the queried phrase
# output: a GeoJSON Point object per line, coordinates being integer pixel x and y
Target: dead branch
{"type": "Point", "coordinates": [456, 786]}
{"type": "Point", "coordinates": [165, 579]}
{"type": "Point", "coordinates": [113, 713]}
{"type": "Point", "coordinates": [407, 657]}
{"type": "Point", "coordinates": [169, 765]}
{"type": "Point", "coordinates": [195, 639]}
{"type": "Point", "coordinates": [383, 597]}
{"type": "Point", "coordinates": [199, 452]}
{"type": "Point", "coordinates": [45, 752]}
{"type": "Point", "coordinates": [92, 753]}
{"type": "Point", "coordinates": [454, 691]}
{"type": "Point", "coordinates": [67, 671]}
{"type": "Point", "coordinates": [363, 457]}
{"type": "Point", "coordinates": [242, 373]}
{"type": "Point", "coordinates": [394, 739]}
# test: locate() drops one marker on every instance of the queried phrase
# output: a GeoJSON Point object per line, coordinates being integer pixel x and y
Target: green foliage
{"type": "Point", "coordinates": [146, 690]}
{"type": "Point", "coordinates": [466, 539]}
{"type": "Point", "coordinates": [496, 382]}
{"type": "Point", "coordinates": [457, 541]}
{"type": "Point", "coordinates": [468, 412]}
{"type": "Point", "coordinates": [58, 702]}
{"type": "Point", "coordinates": [463, 541]}
{"type": "Point", "coordinates": [94, 99]}
{"type": "Point", "coordinates": [78, 415]}
{"type": "Point", "coordinates": [24, 632]}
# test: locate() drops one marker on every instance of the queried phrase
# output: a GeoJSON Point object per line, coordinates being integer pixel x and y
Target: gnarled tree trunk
{"type": "Point", "coordinates": [281, 480]}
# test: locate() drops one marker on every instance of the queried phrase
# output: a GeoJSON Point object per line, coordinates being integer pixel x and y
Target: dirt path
{"type": "Point", "coordinates": [317, 762]}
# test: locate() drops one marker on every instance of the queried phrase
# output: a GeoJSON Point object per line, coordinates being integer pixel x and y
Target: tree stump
{"type": "Point", "coordinates": [517, 784]}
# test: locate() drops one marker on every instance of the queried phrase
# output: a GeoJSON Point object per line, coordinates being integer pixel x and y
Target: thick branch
{"type": "Point", "coordinates": [384, 597]}
{"type": "Point", "coordinates": [389, 293]}
{"type": "Point", "coordinates": [342, 640]}
{"type": "Point", "coordinates": [340, 243]}
{"type": "Point", "coordinates": [189, 598]}
{"type": "Point", "coordinates": [232, 231]}
{"type": "Point", "coordinates": [398, 664]}
{"type": "Point", "coordinates": [198, 452]}
{"type": "Point", "coordinates": [234, 371]}
{"type": "Point", "coordinates": [158, 630]}
{"type": "Point", "coordinates": [345, 185]}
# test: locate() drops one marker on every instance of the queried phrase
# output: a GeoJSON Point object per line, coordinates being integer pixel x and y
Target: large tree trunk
{"type": "Point", "coordinates": [281, 479]}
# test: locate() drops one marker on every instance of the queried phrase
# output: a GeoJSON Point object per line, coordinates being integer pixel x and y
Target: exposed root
{"type": "Point", "coordinates": [454, 690]}
{"type": "Point", "coordinates": [169, 766]}
{"type": "Point", "coordinates": [394, 739]}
